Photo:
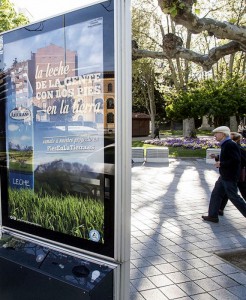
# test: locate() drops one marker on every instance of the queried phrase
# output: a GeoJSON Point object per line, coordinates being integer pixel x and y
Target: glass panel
{"type": "Point", "coordinates": [54, 142]}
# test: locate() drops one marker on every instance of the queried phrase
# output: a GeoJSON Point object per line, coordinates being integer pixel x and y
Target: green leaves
{"type": "Point", "coordinates": [9, 18]}
{"type": "Point", "coordinates": [175, 7]}
{"type": "Point", "coordinates": [197, 11]}
{"type": "Point", "coordinates": [220, 99]}
{"type": "Point", "coordinates": [173, 11]}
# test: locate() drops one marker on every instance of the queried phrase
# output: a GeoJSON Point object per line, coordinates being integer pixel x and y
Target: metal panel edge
{"type": "Point", "coordinates": [54, 244]}
{"type": "Point", "coordinates": [60, 247]}
{"type": "Point", "coordinates": [123, 64]}
{"type": "Point", "coordinates": [55, 15]}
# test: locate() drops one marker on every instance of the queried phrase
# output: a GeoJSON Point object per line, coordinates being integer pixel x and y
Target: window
{"type": "Point", "coordinates": [110, 118]}
{"type": "Point", "coordinates": [110, 103]}
{"type": "Point", "coordinates": [110, 88]}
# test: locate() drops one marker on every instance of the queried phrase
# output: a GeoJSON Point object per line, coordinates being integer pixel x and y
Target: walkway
{"type": "Point", "coordinates": [173, 250]}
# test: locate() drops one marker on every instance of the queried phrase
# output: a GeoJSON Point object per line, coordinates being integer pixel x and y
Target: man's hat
{"type": "Point", "coordinates": [223, 129]}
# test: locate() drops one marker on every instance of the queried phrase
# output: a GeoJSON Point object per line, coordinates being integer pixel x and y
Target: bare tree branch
{"type": "Point", "coordinates": [185, 17]}
{"type": "Point", "coordinates": [206, 61]}
{"type": "Point", "coordinates": [172, 45]}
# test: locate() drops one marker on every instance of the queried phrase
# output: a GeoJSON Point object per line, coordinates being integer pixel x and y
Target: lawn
{"type": "Point", "coordinates": [178, 146]}
{"type": "Point", "coordinates": [182, 147]}
{"type": "Point", "coordinates": [170, 133]}
{"type": "Point", "coordinates": [175, 151]}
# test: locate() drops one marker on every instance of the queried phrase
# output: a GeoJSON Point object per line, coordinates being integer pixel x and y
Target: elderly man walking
{"type": "Point", "coordinates": [229, 169]}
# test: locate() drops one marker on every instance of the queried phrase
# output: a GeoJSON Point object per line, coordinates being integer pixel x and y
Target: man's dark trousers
{"type": "Point", "coordinates": [222, 188]}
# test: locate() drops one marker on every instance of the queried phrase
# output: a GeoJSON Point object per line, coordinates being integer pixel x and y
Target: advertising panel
{"type": "Point", "coordinates": [57, 106]}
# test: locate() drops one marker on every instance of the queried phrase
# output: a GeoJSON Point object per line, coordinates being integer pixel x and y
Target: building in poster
{"type": "Point", "coordinates": [93, 97]}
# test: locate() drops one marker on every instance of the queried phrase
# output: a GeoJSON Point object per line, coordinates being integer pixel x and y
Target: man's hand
{"type": "Point", "coordinates": [217, 164]}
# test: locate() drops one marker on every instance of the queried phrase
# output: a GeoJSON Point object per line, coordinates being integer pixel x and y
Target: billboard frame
{"type": "Point", "coordinates": [123, 133]}
{"type": "Point", "coordinates": [123, 146]}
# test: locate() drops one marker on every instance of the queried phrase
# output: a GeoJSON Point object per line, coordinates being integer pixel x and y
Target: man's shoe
{"type": "Point", "coordinates": [210, 219]}
{"type": "Point", "coordinates": [221, 213]}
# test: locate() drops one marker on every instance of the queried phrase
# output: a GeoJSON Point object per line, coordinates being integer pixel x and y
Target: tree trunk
{"type": "Point", "coordinates": [151, 99]}
{"type": "Point", "coordinates": [188, 127]}
{"type": "Point", "coordinates": [233, 123]}
{"type": "Point", "coordinates": [152, 123]}
{"type": "Point", "coordinates": [205, 124]}
{"type": "Point", "coordinates": [231, 62]}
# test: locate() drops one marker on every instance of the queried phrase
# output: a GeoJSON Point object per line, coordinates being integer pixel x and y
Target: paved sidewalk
{"type": "Point", "coordinates": [173, 249]}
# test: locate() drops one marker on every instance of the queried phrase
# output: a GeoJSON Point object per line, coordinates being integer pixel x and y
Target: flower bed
{"type": "Point", "coordinates": [188, 143]}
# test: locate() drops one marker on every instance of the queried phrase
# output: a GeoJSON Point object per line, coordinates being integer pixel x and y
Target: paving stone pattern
{"type": "Point", "coordinates": [172, 248]}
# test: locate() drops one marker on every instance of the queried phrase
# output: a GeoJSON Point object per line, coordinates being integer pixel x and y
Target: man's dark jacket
{"type": "Point", "coordinates": [230, 161]}
{"type": "Point", "coordinates": [243, 157]}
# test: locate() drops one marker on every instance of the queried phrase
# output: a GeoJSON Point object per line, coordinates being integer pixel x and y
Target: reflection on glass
{"type": "Point", "coordinates": [56, 120]}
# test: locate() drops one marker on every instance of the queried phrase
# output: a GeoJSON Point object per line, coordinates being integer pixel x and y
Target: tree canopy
{"type": "Point", "coordinates": [231, 33]}
{"type": "Point", "coordinates": [9, 18]}
{"type": "Point", "coordinates": [218, 99]}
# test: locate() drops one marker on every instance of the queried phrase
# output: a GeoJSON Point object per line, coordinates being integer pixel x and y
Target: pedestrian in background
{"type": "Point", "coordinates": [241, 128]}
{"type": "Point", "coordinates": [157, 132]}
{"type": "Point", "coordinates": [229, 165]}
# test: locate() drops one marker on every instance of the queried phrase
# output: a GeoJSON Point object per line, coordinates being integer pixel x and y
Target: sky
{"type": "Point", "coordinates": [47, 8]}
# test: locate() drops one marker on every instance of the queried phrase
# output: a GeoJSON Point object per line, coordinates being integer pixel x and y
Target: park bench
{"type": "Point", "coordinates": [138, 154]}
{"type": "Point", "coordinates": [157, 154]}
